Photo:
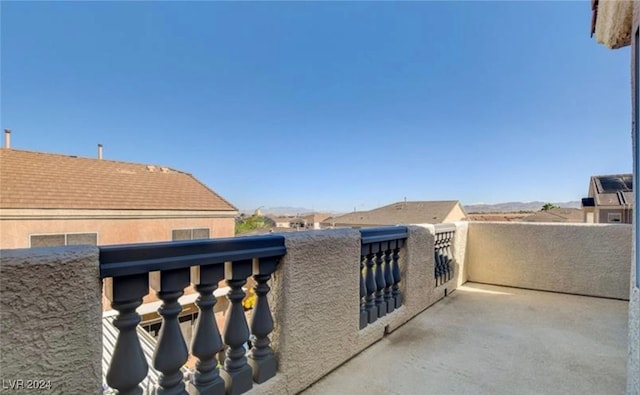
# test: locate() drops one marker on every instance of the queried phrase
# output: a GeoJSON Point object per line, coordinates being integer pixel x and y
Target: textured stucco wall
{"type": "Point", "coordinates": [16, 233]}
{"type": "Point", "coordinates": [633, 365]}
{"type": "Point", "coordinates": [583, 259]}
{"type": "Point", "coordinates": [460, 252]}
{"type": "Point", "coordinates": [51, 318]}
{"type": "Point", "coordinates": [315, 298]}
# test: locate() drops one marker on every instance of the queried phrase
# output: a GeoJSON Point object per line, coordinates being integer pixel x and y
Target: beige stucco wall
{"type": "Point", "coordinates": [584, 259]}
{"type": "Point", "coordinates": [316, 298]}
{"type": "Point", "coordinates": [16, 233]}
{"type": "Point", "coordinates": [51, 318]}
{"type": "Point", "coordinates": [633, 365]}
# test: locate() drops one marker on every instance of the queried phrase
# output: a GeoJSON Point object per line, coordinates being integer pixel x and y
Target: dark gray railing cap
{"type": "Point", "coordinates": [388, 233]}
{"type": "Point", "coordinates": [129, 259]}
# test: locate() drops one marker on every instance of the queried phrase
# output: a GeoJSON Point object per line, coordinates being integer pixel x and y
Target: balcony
{"type": "Point", "coordinates": [455, 308]}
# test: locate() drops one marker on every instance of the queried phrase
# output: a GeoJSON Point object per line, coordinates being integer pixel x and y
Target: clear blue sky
{"type": "Point", "coordinates": [328, 106]}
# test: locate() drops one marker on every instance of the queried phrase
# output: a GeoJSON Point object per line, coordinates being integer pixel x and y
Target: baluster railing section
{"type": "Point", "coordinates": [169, 268]}
{"type": "Point", "coordinates": [443, 253]}
{"type": "Point", "coordinates": [380, 274]}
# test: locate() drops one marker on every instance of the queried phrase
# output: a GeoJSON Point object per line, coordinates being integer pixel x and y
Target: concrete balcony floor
{"type": "Point", "coordinates": [485, 339]}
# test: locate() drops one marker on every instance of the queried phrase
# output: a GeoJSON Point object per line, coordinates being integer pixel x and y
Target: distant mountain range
{"type": "Point", "coordinates": [288, 211]}
{"type": "Point", "coordinates": [513, 207]}
{"type": "Point", "coordinates": [509, 207]}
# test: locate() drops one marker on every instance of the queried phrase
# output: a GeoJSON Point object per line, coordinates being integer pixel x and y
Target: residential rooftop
{"type": "Point", "coordinates": [38, 180]}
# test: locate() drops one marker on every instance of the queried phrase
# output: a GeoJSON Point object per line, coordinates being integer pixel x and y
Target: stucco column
{"type": "Point", "coordinates": [50, 320]}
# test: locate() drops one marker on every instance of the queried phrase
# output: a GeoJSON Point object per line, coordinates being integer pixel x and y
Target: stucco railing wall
{"type": "Point", "coordinates": [583, 259]}
{"type": "Point", "coordinates": [315, 299]}
{"type": "Point", "coordinates": [51, 310]}
{"type": "Point", "coordinates": [51, 320]}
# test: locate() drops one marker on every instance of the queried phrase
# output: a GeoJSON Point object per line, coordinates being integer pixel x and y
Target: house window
{"type": "Point", "coordinates": [614, 217]}
{"type": "Point", "coordinates": [190, 234]}
{"type": "Point", "coordinates": [64, 239]}
{"type": "Point", "coordinates": [48, 240]}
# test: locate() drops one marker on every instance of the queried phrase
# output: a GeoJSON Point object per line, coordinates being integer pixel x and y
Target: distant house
{"type": "Point", "coordinates": [314, 221]}
{"type": "Point", "coordinates": [282, 222]}
{"type": "Point", "coordinates": [432, 212]}
{"type": "Point", "coordinates": [51, 200]}
{"type": "Point", "coordinates": [610, 199]}
{"type": "Point", "coordinates": [556, 215]}
{"type": "Point", "coordinates": [309, 221]}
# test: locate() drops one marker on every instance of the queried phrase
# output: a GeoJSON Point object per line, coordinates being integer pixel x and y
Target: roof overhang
{"type": "Point", "coordinates": [612, 21]}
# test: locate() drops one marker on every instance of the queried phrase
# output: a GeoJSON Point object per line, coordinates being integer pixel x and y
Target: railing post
{"type": "Point", "coordinates": [449, 254]}
{"type": "Point", "coordinates": [363, 293]}
{"type": "Point", "coordinates": [206, 342]}
{"type": "Point", "coordinates": [261, 357]}
{"type": "Point", "coordinates": [388, 279]}
{"type": "Point", "coordinates": [397, 296]}
{"type": "Point", "coordinates": [171, 351]}
{"type": "Point", "coordinates": [438, 259]}
{"type": "Point", "coordinates": [372, 310]}
{"type": "Point", "coordinates": [381, 305]}
{"type": "Point", "coordinates": [237, 374]}
{"type": "Point", "coordinates": [128, 365]}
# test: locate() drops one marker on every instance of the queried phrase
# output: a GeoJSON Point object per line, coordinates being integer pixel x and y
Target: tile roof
{"type": "Point", "coordinates": [399, 213]}
{"type": "Point", "coordinates": [39, 180]}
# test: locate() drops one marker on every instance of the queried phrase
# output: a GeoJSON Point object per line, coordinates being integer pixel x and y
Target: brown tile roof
{"type": "Point", "coordinates": [398, 213]}
{"type": "Point", "coordinates": [41, 180]}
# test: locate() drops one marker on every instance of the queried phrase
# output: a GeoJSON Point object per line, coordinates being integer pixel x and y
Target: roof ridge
{"type": "Point", "coordinates": [89, 158]}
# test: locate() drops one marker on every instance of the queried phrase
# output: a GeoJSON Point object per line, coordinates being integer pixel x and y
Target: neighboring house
{"type": "Point", "coordinates": [610, 199]}
{"type": "Point", "coordinates": [50, 199]}
{"type": "Point", "coordinates": [310, 221]}
{"type": "Point", "coordinates": [432, 212]}
{"type": "Point", "coordinates": [282, 222]}
{"type": "Point", "coordinates": [556, 215]}
{"type": "Point", "coordinates": [314, 221]}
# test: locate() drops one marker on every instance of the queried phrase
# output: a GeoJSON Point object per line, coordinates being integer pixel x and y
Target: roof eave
{"type": "Point", "coordinates": [613, 21]}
